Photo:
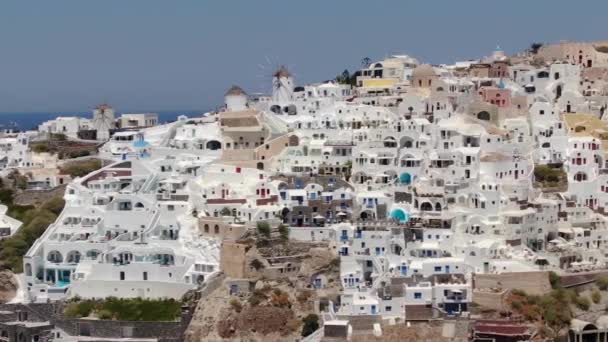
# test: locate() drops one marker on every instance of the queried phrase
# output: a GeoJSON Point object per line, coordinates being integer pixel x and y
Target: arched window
{"type": "Point", "coordinates": [216, 229]}
{"type": "Point", "coordinates": [275, 109]}
{"type": "Point", "coordinates": [483, 115]}
{"type": "Point", "coordinates": [426, 206]}
{"type": "Point", "coordinates": [206, 228]}
{"type": "Point", "coordinates": [73, 257]}
{"type": "Point", "coordinates": [213, 145]}
{"type": "Point", "coordinates": [55, 256]}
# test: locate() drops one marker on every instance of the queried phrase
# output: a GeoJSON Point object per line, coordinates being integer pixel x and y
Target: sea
{"type": "Point", "coordinates": [30, 121]}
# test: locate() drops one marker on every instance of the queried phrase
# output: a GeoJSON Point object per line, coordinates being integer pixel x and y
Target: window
{"type": "Point", "coordinates": [145, 275]}
{"type": "Point", "coordinates": [437, 268]}
{"type": "Point", "coordinates": [388, 309]}
{"type": "Point", "coordinates": [417, 295]}
{"type": "Point", "coordinates": [171, 207]}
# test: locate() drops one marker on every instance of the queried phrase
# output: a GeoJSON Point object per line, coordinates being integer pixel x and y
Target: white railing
{"type": "Point", "coordinates": [316, 336]}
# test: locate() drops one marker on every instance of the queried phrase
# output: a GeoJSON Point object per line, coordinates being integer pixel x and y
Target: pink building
{"type": "Point", "coordinates": [496, 96]}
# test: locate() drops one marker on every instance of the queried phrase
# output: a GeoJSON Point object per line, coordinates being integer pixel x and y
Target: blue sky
{"type": "Point", "coordinates": [65, 55]}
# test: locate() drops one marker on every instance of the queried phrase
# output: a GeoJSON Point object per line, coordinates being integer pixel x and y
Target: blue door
{"type": "Point", "coordinates": [373, 309]}
{"type": "Point", "coordinates": [447, 268]}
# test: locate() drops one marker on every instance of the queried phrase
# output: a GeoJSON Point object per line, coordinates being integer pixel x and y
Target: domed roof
{"type": "Point", "coordinates": [424, 70]}
{"type": "Point", "coordinates": [235, 91]}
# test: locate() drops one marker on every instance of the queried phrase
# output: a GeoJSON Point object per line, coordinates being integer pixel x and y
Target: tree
{"type": "Point", "coordinates": [534, 47]}
{"type": "Point", "coordinates": [311, 324]}
{"type": "Point", "coordinates": [225, 211]}
{"type": "Point", "coordinates": [256, 264]}
{"type": "Point", "coordinates": [366, 61]}
{"type": "Point", "coordinates": [344, 78]}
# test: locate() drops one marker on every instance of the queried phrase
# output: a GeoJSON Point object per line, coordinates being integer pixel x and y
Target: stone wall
{"type": "Point", "coordinates": [362, 322]}
{"type": "Point", "coordinates": [490, 300]}
{"type": "Point", "coordinates": [167, 331]}
{"type": "Point", "coordinates": [53, 312]}
{"type": "Point", "coordinates": [233, 259]}
{"type": "Point", "coordinates": [531, 282]}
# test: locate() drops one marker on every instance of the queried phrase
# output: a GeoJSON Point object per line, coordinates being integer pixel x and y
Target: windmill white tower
{"type": "Point", "coordinates": [282, 86]}
{"type": "Point", "coordinates": [103, 121]}
{"type": "Point", "coordinates": [235, 99]}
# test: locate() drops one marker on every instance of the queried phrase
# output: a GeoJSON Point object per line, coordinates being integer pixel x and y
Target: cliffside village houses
{"type": "Point", "coordinates": [418, 176]}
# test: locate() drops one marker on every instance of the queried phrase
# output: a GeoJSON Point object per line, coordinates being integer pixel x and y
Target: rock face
{"type": "Point", "coordinates": [8, 286]}
{"type": "Point", "coordinates": [273, 308]}
{"type": "Point", "coordinates": [258, 320]}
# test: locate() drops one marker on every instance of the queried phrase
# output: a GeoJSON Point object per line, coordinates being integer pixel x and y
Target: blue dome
{"type": "Point", "coordinates": [405, 178]}
{"type": "Point", "coordinates": [400, 215]}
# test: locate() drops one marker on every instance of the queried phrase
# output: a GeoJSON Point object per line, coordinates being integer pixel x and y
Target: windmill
{"type": "Point", "coordinates": [268, 72]}
{"type": "Point", "coordinates": [282, 85]}
{"type": "Point", "coordinates": [103, 121]}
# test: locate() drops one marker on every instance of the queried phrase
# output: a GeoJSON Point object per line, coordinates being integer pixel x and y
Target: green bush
{"type": "Point", "coordinates": [35, 222]}
{"type": "Point", "coordinates": [547, 174]}
{"type": "Point", "coordinates": [80, 168]}
{"type": "Point", "coordinates": [554, 308]}
{"type": "Point", "coordinates": [602, 283]}
{"type": "Point", "coordinates": [263, 229]}
{"type": "Point", "coordinates": [79, 309]}
{"type": "Point", "coordinates": [256, 264]}
{"type": "Point", "coordinates": [254, 301]}
{"type": "Point", "coordinates": [236, 305]}
{"type": "Point", "coordinates": [6, 196]}
{"type": "Point", "coordinates": [105, 314]}
{"type": "Point", "coordinates": [40, 147]}
{"type": "Point", "coordinates": [54, 205]}
{"type": "Point", "coordinates": [596, 296]}
{"type": "Point", "coordinates": [131, 309]}
{"type": "Point", "coordinates": [311, 324]}
{"type": "Point", "coordinates": [555, 280]}
{"type": "Point", "coordinates": [284, 232]}
{"type": "Point", "coordinates": [582, 303]}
